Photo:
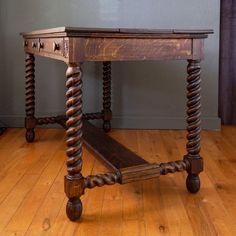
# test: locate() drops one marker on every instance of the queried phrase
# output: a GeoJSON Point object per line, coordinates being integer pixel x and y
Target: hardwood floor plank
{"type": "Point", "coordinates": [154, 215]}
{"type": "Point", "coordinates": [35, 197]}
{"type": "Point", "coordinates": [211, 175]}
{"type": "Point", "coordinates": [32, 199]}
{"type": "Point", "coordinates": [134, 227]}
{"type": "Point", "coordinates": [26, 160]}
{"type": "Point", "coordinates": [14, 199]}
{"type": "Point", "coordinates": [46, 214]}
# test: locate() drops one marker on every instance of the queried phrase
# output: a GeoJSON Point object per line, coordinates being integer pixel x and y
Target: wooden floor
{"type": "Point", "coordinates": [32, 199]}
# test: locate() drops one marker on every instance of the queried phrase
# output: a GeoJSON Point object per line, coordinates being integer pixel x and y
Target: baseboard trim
{"type": "Point", "coordinates": [128, 122]}
{"type": "Point", "coordinates": [162, 122]}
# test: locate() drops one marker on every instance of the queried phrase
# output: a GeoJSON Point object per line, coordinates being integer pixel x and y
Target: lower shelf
{"type": "Point", "coordinates": [125, 164]}
{"type": "Point", "coordinates": [115, 155]}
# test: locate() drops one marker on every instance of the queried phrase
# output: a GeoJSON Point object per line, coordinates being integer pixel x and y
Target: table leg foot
{"type": "Point", "coordinates": [193, 183]}
{"type": "Point", "coordinates": [2, 129]}
{"type": "Point", "coordinates": [106, 126]}
{"type": "Point", "coordinates": [74, 209]}
{"type": "Point", "coordinates": [30, 135]}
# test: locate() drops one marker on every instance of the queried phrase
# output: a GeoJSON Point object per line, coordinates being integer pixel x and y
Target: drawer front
{"type": "Point", "coordinates": [31, 45]}
{"type": "Point", "coordinates": [52, 46]}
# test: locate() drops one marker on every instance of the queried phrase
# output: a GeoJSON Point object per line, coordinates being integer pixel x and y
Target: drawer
{"type": "Point", "coordinates": [51, 46]}
{"type": "Point", "coordinates": [31, 45]}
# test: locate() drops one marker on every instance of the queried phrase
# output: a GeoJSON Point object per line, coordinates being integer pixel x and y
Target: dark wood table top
{"type": "Point", "coordinates": [118, 32]}
{"type": "Point", "coordinates": [71, 44]}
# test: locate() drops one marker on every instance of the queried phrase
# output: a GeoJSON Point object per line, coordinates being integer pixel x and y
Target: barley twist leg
{"type": "Point", "coordinates": [100, 180]}
{"type": "Point", "coordinates": [74, 181]}
{"type": "Point", "coordinates": [107, 96]}
{"type": "Point", "coordinates": [193, 126]}
{"type": "Point", "coordinates": [30, 121]}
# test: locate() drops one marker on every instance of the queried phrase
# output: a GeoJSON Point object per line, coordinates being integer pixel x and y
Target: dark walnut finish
{"type": "Point", "coordinates": [193, 125]}
{"type": "Point", "coordinates": [107, 113]}
{"type": "Point", "coordinates": [77, 45]}
{"type": "Point", "coordinates": [2, 130]}
{"type": "Point", "coordinates": [30, 121]}
{"type": "Point", "coordinates": [74, 179]}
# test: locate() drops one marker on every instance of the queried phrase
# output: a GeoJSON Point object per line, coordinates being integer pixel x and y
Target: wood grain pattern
{"type": "Point", "coordinates": [198, 49]}
{"type": "Point", "coordinates": [135, 206]}
{"type": "Point", "coordinates": [31, 45]}
{"type": "Point", "coordinates": [140, 172]}
{"type": "Point", "coordinates": [50, 47]}
{"type": "Point", "coordinates": [74, 45]}
{"type": "Point", "coordinates": [125, 49]}
{"type": "Point", "coordinates": [113, 154]}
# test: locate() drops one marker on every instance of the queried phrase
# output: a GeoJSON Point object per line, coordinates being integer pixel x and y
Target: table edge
{"type": "Point", "coordinates": [94, 32]}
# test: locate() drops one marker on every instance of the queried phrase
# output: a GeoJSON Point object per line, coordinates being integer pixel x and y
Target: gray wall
{"type": "Point", "coordinates": [145, 94]}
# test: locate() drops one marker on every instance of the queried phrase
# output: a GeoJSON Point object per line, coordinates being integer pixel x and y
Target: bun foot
{"type": "Point", "coordinates": [193, 183]}
{"type": "Point", "coordinates": [30, 135]}
{"type": "Point", "coordinates": [74, 209]}
{"type": "Point", "coordinates": [2, 129]}
{"type": "Point", "coordinates": [107, 126]}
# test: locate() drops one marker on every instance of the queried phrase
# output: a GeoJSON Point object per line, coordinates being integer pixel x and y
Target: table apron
{"type": "Point", "coordinates": [80, 49]}
{"type": "Point", "coordinates": [115, 49]}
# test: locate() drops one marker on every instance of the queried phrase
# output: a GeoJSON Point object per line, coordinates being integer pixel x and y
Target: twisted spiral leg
{"type": "Point", "coordinates": [193, 125]}
{"type": "Point", "coordinates": [172, 167]}
{"type": "Point", "coordinates": [61, 120]}
{"type": "Point", "coordinates": [100, 180]}
{"type": "Point", "coordinates": [107, 96]}
{"type": "Point", "coordinates": [30, 121]}
{"type": "Point", "coordinates": [93, 116]}
{"type": "Point", "coordinates": [74, 182]}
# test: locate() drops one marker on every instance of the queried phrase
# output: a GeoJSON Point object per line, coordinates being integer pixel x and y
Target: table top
{"type": "Point", "coordinates": [72, 44]}
{"type": "Point", "coordinates": [118, 32]}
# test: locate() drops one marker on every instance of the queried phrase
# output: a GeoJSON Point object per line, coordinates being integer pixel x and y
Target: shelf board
{"type": "Point", "coordinates": [115, 155]}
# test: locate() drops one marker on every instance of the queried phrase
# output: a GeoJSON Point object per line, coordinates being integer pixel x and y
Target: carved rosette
{"type": "Point", "coordinates": [74, 121]}
{"type": "Point", "coordinates": [193, 105]}
{"type": "Point", "coordinates": [29, 85]}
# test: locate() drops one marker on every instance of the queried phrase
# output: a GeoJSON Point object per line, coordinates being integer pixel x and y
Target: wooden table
{"type": "Point", "coordinates": [77, 45]}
